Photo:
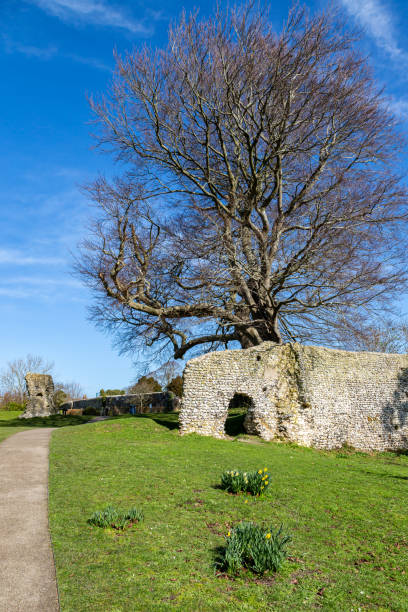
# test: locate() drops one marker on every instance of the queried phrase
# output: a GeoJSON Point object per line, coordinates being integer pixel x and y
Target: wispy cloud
{"type": "Point", "coordinates": [47, 53]}
{"type": "Point", "coordinates": [49, 293]}
{"type": "Point", "coordinates": [12, 46]}
{"type": "Point", "coordinates": [95, 12]}
{"type": "Point", "coordinates": [13, 293]}
{"type": "Point", "coordinates": [16, 258]}
{"type": "Point", "coordinates": [378, 21]}
{"type": "Point", "coordinates": [34, 281]}
{"type": "Point", "coordinates": [42, 288]}
{"type": "Point", "coordinates": [399, 107]}
{"type": "Point", "coordinates": [88, 61]}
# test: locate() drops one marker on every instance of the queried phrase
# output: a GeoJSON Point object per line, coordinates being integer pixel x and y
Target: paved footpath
{"type": "Point", "coordinates": [27, 572]}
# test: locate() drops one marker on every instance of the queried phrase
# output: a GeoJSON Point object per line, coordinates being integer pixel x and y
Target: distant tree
{"type": "Point", "coordinates": [176, 386]}
{"type": "Point", "coordinates": [74, 390]}
{"type": "Point", "coordinates": [262, 197]}
{"type": "Point", "coordinates": [60, 397]}
{"type": "Point", "coordinates": [146, 384]}
{"type": "Point", "coordinates": [105, 392]}
{"type": "Point", "coordinates": [67, 391]}
{"type": "Point", "coordinates": [12, 377]}
{"type": "Point", "coordinates": [9, 401]}
{"type": "Point", "coordinates": [166, 372]}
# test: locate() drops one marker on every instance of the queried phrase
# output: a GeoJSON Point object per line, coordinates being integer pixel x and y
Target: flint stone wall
{"type": "Point", "coordinates": [309, 395]}
{"type": "Point", "coordinates": [40, 390]}
{"type": "Point", "coordinates": [120, 404]}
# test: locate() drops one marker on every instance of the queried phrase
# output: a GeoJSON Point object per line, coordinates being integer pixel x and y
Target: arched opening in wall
{"type": "Point", "coordinates": [238, 409]}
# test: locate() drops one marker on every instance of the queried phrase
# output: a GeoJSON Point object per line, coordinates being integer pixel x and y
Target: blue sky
{"type": "Point", "coordinates": [54, 52]}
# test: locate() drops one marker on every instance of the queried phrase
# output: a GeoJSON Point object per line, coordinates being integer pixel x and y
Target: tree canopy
{"type": "Point", "coordinates": [260, 197]}
{"type": "Point", "coordinates": [145, 384]}
{"type": "Point", "coordinates": [176, 386]}
{"type": "Point", "coordinates": [105, 392]}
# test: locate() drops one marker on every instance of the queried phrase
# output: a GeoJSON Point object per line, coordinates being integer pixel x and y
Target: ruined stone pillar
{"type": "Point", "coordinates": [40, 389]}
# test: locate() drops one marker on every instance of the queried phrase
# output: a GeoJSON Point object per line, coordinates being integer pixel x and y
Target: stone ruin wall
{"type": "Point", "coordinates": [312, 396]}
{"type": "Point", "coordinates": [142, 403]}
{"type": "Point", "coordinates": [40, 391]}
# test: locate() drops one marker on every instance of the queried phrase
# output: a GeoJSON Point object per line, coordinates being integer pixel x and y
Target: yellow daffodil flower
{"type": "Point", "coordinates": [268, 535]}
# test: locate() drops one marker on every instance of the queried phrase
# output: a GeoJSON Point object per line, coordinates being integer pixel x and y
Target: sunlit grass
{"type": "Point", "coordinates": [346, 513]}
{"type": "Point", "coordinates": [11, 424]}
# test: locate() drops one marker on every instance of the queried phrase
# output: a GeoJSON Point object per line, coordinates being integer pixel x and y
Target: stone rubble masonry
{"type": "Point", "coordinates": [162, 401]}
{"type": "Point", "coordinates": [40, 390]}
{"type": "Point", "coordinates": [309, 395]}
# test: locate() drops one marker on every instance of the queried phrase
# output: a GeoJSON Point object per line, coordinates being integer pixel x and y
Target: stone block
{"type": "Point", "coordinates": [40, 390]}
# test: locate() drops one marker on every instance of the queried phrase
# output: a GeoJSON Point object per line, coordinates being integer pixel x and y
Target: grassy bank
{"type": "Point", "coordinates": [11, 424]}
{"type": "Point", "coordinates": [345, 511]}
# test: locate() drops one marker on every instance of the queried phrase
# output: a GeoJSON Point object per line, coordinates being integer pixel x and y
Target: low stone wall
{"type": "Point", "coordinates": [312, 396]}
{"type": "Point", "coordinates": [138, 403]}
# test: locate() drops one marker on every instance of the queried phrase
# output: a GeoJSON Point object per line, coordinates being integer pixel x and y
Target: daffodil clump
{"type": "Point", "coordinates": [116, 519]}
{"type": "Point", "coordinates": [255, 548]}
{"type": "Point", "coordinates": [236, 481]}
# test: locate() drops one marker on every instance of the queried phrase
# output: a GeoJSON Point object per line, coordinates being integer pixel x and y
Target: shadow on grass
{"type": "Point", "coordinates": [166, 419]}
{"type": "Point", "coordinates": [234, 425]}
{"type": "Point", "coordinates": [55, 420]}
{"type": "Point", "coordinates": [217, 487]}
{"type": "Point", "coordinates": [400, 451]}
{"type": "Point", "coordinates": [384, 475]}
{"type": "Point", "coordinates": [169, 420]}
{"type": "Point", "coordinates": [219, 559]}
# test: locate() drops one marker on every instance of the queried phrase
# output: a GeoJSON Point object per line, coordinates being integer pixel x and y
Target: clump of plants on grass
{"type": "Point", "coordinates": [91, 411]}
{"type": "Point", "coordinates": [253, 547]}
{"type": "Point", "coordinates": [255, 483]}
{"type": "Point", "coordinates": [116, 519]}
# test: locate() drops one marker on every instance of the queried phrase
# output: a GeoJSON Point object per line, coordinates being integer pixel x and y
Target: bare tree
{"type": "Point", "coordinates": [166, 372]}
{"type": "Point", "coordinates": [382, 336]}
{"type": "Point", "coordinates": [261, 198]}
{"type": "Point", "coordinates": [12, 377]}
{"type": "Point", "coordinates": [72, 390]}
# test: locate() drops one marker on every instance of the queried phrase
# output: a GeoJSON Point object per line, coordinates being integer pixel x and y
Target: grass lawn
{"type": "Point", "coordinates": [345, 511]}
{"type": "Point", "coordinates": [11, 424]}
